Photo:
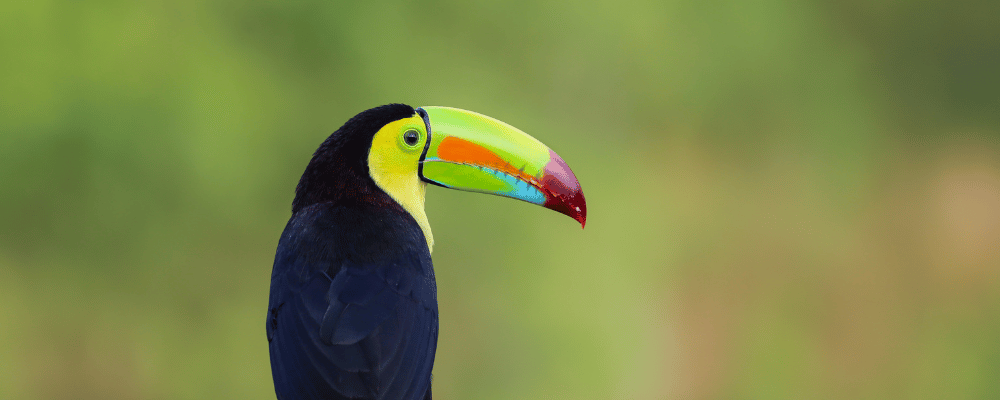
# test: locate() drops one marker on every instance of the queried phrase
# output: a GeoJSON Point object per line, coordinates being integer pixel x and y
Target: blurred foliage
{"type": "Point", "coordinates": [787, 199]}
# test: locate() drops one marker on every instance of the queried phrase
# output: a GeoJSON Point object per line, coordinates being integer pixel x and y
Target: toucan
{"type": "Point", "coordinates": [353, 308]}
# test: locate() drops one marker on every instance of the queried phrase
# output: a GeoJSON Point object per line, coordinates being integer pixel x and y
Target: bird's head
{"type": "Point", "coordinates": [396, 150]}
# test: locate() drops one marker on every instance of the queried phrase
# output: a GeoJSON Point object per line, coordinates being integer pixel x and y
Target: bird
{"type": "Point", "coordinates": [353, 310]}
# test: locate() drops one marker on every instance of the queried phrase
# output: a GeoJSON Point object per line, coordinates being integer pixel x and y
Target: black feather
{"type": "Point", "coordinates": [353, 306]}
{"type": "Point", "coordinates": [338, 171]}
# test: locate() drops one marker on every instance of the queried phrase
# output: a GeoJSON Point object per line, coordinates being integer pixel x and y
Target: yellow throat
{"type": "Point", "coordinates": [392, 164]}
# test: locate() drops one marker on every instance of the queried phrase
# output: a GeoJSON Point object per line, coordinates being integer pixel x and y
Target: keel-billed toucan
{"type": "Point", "coordinates": [353, 310]}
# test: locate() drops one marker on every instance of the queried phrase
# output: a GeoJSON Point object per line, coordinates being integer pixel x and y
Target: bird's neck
{"type": "Point", "coordinates": [409, 191]}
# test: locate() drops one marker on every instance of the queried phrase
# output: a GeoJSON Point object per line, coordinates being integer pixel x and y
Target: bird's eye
{"type": "Point", "coordinates": [411, 138]}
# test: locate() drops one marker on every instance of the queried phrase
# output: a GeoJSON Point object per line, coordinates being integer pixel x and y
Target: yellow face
{"type": "Point", "coordinates": [392, 163]}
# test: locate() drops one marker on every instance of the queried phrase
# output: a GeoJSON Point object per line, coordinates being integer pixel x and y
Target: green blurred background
{"type": "Point", "coordinates": [788, 200]}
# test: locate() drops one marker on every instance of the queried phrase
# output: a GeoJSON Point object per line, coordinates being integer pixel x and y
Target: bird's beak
{"type": "Point", "coordinates": [473, 152]}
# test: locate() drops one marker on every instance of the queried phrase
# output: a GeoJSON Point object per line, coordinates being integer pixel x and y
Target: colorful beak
{"type": "Point", "coordinates": [473, 152]}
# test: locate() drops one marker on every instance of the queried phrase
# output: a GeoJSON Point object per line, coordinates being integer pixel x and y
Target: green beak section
{"type": "Point", "coordinates": [472, 152]}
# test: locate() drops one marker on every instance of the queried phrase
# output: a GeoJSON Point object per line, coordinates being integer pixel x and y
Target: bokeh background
{"type": "Point", "coordinates": [788, 199]}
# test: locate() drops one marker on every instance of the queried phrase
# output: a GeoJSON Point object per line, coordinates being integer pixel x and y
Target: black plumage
{"type": "Point", "coordinates": [353, 305]}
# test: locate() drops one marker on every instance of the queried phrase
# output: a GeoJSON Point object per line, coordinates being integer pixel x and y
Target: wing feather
{"type": "Point", "coordinates": [349, 329]}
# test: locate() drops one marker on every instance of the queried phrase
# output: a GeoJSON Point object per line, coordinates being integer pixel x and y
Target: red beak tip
{"type": "Point", "coordinates": [563, 190]}
{"type": "Point", "coordinates": [579, 214]}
